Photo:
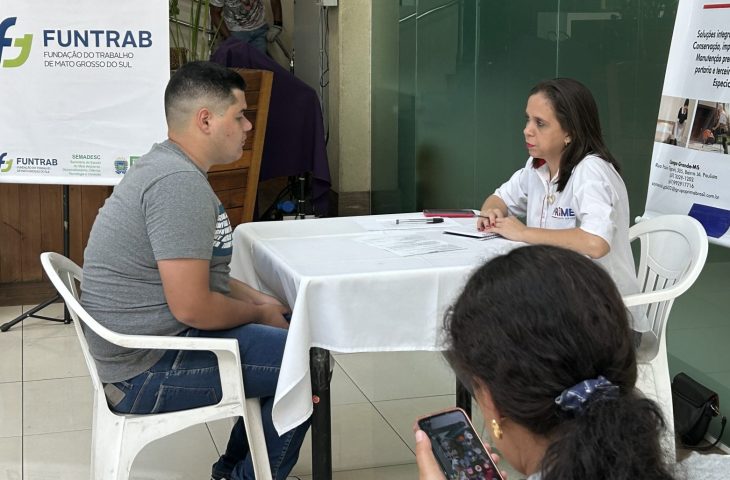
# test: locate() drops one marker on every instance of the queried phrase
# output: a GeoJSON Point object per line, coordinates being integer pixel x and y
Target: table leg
{"type": "Point", "coordinates": [319, 365]}
{"type": "Point", "coordinates": [463, 398]}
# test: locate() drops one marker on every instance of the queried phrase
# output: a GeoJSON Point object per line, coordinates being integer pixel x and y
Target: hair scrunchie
{"type": "Point", "coordinates": [576, 398]}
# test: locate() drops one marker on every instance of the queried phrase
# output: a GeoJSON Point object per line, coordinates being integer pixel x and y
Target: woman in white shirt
{"type": "Point", "coordinates": [570, 190]}
{"type": "Point", "coordinates": [541, 338]}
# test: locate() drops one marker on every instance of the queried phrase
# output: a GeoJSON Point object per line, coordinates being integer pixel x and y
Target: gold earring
{"type": "Point", "coordinates": [496, 429]}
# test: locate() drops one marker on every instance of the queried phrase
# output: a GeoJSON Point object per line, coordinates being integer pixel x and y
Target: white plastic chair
{"type": "Point", "coordinates": [117, 438]}
{"type": "Point", "coordinates": [673, 252]}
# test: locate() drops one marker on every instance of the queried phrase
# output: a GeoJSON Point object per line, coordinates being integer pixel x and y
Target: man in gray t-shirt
{"type": "Point", "coordinates": [157, 264]}
{"type": "Point", "coordinates": [245, 20]}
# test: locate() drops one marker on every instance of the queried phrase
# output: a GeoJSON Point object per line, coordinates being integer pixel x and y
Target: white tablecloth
{"type": "Point", "coordinates": [347, 296]}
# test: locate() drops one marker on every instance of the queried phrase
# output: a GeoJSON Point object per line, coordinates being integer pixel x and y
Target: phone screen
{"type": "Point", "coordinates": [457, 447]}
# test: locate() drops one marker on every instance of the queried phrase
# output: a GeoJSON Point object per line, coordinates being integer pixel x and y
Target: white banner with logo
{"type": "Point", "coordinates": [81, 88]}
{"type": "Point", "coordinates": [690, 165]}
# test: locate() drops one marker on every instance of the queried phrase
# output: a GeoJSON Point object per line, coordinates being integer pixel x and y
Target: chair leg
{"type": "Point", "coordinates": [653, 382]}
{"type": "Point", "coordinates": [257, 440]}
{"type": "Point", "coordinates": [106, 451]}
{"type": "Point", "coordinates": [664, 396]}
{"type": "Point", "coordinates": [115, 442]}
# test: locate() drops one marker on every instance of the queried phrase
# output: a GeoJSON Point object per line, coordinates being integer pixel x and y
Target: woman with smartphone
{"type": "Point", "coordinates": [570, 191]}
{"type": "Point", "coordinates": [541, 336]}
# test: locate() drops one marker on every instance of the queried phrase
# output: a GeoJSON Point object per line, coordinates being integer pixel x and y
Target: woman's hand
{"type": "Point", "coordinates": [487, 218]}
{"type": "Point", "coordinates": [428, 467]}
{"type": "Point", "coordinates": [492, 209]}
{"type": "Point", "coordinates": [510, 228]}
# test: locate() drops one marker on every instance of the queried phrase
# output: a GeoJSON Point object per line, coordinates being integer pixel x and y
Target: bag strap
{"type": "Point", "coordinates": [717, 440]}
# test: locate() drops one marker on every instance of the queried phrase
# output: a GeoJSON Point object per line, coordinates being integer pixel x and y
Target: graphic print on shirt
{"type": "Point", "coordinates": [565, 213]}
{"type": "Point", "coordinates": [246, 14]}
{"type": "Point", "coordinates": [223, 241]}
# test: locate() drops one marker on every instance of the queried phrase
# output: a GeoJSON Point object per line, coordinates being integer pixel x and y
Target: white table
{"type": "Point", "coordinates": [348, 296]}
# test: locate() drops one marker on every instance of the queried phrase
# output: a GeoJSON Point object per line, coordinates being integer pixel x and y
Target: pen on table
{"type": "Point", "coordinates": [419, 220]}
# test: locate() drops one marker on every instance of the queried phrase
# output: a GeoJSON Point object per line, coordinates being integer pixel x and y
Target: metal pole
{"type": "Point", "coordinates": [319, 364]}
{"type": "Point", "coordinates": [66, 246]}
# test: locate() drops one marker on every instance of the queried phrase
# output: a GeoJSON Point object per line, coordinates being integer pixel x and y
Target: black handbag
{"type": "Point", "coordinates": [694, 406]}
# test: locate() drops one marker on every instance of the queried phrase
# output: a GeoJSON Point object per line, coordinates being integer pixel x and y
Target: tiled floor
{"type": "Point", "coordinates": [45, 412]}
{"type": "Point", "coordinates": [45, 403]}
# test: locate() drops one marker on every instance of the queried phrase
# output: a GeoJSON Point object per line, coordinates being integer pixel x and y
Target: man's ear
{"type": "Point", "coordinates": [203, 119]}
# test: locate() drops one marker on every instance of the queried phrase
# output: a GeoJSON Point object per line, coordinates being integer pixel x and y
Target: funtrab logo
{"type": "Point", "coordinates": [23, 43]}
{"type": "Point", "coordinates": [5, 165]}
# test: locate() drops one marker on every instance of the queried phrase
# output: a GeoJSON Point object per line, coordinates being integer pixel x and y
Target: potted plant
{"type": "Point", "coordinates": [191, 36]}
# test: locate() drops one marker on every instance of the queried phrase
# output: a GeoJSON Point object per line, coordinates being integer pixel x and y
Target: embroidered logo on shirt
{"type": "Point", "coordinates": [564, 213]}
{"type": "Point", "coordinates": [223, 242]}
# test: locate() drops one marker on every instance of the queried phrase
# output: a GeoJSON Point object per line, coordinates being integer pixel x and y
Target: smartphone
{"type": "Point", "coordinates": [457, 446]}
{"type": "Point", "coordinates": [441, 212]}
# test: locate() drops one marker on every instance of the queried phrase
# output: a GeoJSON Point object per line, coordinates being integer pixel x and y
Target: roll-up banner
{"type": "Point", "coordinates": [81, 88]}
{"type": "Point", "coordinates": [690, 165]}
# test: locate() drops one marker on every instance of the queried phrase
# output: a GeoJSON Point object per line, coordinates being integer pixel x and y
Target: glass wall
{"type": "Point", "coordinates": [450, 81]}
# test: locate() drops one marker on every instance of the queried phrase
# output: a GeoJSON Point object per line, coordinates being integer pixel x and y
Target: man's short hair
{"type": "Point", "coordinates": [200, 84]}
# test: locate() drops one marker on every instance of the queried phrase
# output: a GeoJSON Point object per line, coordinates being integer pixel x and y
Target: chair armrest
{"type": "Point", "coordinates": [151, 342]}
{"type": "Point", "coordinates": [162, 342]}
{"type": "Point", "coordinates": [63, 272]}
{"type": "Point", "coordinates": [670, 293]}
{"type": "Point", "coordinates": [225, 349]}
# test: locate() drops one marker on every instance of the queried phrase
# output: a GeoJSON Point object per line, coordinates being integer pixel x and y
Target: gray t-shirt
{"type": "Point", "coordinates": [242, 15]}
{"type": "Point", "coordinates": [164, 208]}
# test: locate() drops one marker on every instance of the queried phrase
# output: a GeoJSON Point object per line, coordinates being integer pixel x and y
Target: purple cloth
{"type": "Point", "coordinates": [294, 131]}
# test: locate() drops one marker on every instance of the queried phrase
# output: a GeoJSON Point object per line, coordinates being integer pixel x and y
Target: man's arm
{"type": "Point", "coordinates": [275, 29]}
{"type": "Point", "coordinates": [276, 11]}
{"type": "Point", "coordinates": [216, 21]}
{"type": "Point", "coordinates": [187, 290]}
{"type": "Point", "coordinates": [242, 291]}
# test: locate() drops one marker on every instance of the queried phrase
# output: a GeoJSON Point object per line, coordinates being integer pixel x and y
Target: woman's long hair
{"type": "Point", "coordinates": [542, 319]}
{"type": "Point", "coordinates": [577, 113]}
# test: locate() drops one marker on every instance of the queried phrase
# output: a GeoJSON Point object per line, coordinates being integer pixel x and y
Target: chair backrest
{"type": "Point", "coordinates": [64, 274]}
{"type": "Point", "coordinates": [236, 184]}
{"type": "Point", "coordinates": [673, 252]}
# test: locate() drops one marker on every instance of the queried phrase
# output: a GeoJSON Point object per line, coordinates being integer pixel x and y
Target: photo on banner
{"type": "Point", "coordinates": [690, 165]}
{"type": "Point", "coordinates": [81, 88]}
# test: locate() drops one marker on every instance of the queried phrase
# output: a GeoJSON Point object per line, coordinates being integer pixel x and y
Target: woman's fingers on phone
{"type": "Point", "coordinates": [428, 467]}
{"type": "Point", "coordinates": [496, 459]}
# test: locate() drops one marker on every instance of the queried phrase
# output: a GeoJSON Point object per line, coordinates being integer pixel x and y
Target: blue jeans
{"type": "Point", "coordinates": [255, 38]}
{"type": "Point", "coordinates": [184, 379]}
